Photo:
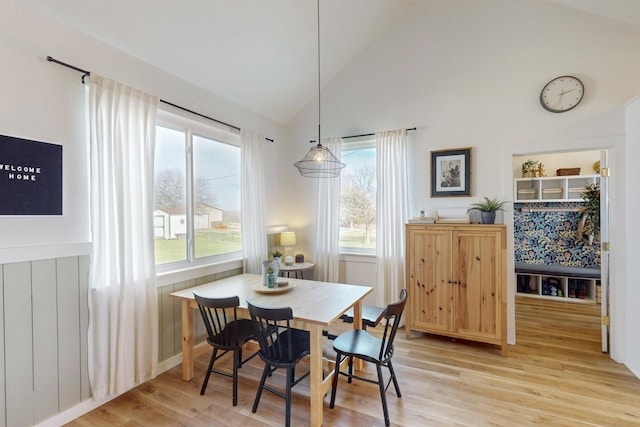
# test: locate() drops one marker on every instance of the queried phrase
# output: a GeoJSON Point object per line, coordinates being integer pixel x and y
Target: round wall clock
{"type": "Point", "coordinates": [562, 94]}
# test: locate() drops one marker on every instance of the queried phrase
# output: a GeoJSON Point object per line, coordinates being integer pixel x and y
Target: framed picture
{"type": "Point", "coordinates": [451, 172]}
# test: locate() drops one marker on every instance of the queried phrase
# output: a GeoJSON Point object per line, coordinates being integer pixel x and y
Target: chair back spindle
{"type": "Point", "coordinates": [392, 316]}
{"type": "Point", "coordinates": [218, 314]}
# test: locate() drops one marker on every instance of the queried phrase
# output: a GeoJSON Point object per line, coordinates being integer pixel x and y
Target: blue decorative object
{"type": "Point", "coordinates": [551, 237]}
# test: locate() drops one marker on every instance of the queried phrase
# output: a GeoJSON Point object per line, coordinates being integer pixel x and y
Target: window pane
{"type": "Point", "coordinates": [216, 182]}
{"type": "Point", "coordinates": [358, 198]}
{"type": "Point", "coordinates": [170, 215]}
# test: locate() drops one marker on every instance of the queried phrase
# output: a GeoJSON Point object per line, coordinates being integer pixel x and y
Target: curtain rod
{"type": "Point", "coordinates": [86, 73]}
{"type": "Point", "coordinates": [368, 134]}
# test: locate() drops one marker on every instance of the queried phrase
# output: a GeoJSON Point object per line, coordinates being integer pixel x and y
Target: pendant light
{"type": "Point", "coordinates": [319, 162]}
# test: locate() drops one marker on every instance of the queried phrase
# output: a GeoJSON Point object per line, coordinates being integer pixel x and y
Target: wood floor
{"type": "Point", "coordinates": [556, 375]}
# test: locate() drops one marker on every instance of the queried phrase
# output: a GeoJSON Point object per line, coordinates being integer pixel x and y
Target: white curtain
{"type": "Point", "coordinates": [327, 255]}
{"type": "Point", "coordinates": [392, 214]}
{"type": "Point", "coordinates": [123, 307]}
{"type": "Point", "coordinates": [254, 230]}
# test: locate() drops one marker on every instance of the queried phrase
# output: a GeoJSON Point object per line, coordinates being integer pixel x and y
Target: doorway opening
{"type": "Point", "coordinates": [560, 269]}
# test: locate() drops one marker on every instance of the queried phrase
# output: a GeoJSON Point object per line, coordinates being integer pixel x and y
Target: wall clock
{"type": "Point", "coordinates": [562, 94]}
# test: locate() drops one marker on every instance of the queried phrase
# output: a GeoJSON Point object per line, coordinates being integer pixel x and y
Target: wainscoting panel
{"type": "Point", "coordinates": [44, 318]}
{"type": "Point", "coordinates": [69, 332]}
{"type": "Point", "coordinates": [170, 313]}
{"type": "Point", "coordinates": [18, 330]}
{"type": "Point", "coordinates": [3, 408]}
{"type": "Point", "coordinates": [44, 336]}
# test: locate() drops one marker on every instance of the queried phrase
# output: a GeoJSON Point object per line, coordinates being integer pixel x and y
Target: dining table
{"type": "Point", "coordinates": [315, 305]}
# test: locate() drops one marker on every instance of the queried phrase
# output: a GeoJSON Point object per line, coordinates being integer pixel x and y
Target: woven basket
{"type": "Point", "coordinates": [568, 171]}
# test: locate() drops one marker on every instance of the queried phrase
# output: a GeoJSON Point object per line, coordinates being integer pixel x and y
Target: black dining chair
{"type": "Point", "coordinates": [281, 346]}
{"type": "Point", "coordinates": [225, 333]}
{"type": "Point", "coordinates": [360, 344]}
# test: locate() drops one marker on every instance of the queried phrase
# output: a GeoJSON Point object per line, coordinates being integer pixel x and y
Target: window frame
{"type": "Point", "coordinates": [358, 143]}
{"type": "Point", "coordinates": [171, 119]}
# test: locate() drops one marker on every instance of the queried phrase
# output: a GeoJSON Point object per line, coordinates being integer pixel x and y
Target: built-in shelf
{"type": "Point", "coordinates": [573, 289]}
{"type": "Point", "coordinates": [552, 188]}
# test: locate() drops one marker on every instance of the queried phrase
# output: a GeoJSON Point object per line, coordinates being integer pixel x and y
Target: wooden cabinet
{"type": "Point", "coordinates": [456, 280]}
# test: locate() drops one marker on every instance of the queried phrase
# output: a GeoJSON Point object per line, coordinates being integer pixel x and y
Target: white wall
{"type": "Point", "coordinates": [44, 101]}
{"type": "Point", "coordinates": [632, 229]}
{"type": "Point", "coordinates": [552, 162]}
{"type": "Point", "coordinates": [469, 73]}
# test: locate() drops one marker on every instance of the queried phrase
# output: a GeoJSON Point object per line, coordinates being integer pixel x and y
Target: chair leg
{"type": "Point", "coordinates": [206, 378]}
{"type": "Point", "coordinates": [382, 395]}
{"type": "Point", "coordinates": [287, 397]}
{"type": "Point", "coordinates": [395, 380]}
{"type": "Point", "coordinates": [267, 371]}
{"type": "Point", "coordinates": [334, 382]}
{"type": "Point", "coordinates": [236, 365]}
{"type": "Point", "coordinates": [350, 370]}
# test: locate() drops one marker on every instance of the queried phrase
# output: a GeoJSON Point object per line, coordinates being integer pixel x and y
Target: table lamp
{"type": "Point", "coordinates": [288, 239]}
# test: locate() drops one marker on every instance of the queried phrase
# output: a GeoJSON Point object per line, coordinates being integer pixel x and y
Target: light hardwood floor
{"type": "Point", "coordinates": [556, 375]}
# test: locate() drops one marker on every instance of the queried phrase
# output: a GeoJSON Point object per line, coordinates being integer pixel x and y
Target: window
{"type": "Point", "coordinates": [197, 192]}
{"type": "Point", "coordinates": [358, 197]}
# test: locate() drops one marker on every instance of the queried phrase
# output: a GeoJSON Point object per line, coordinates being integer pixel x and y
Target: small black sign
{"type": "Point", "coordinates": [30, 177]}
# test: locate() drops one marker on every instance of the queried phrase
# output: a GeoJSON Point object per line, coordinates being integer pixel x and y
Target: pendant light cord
{"type": "Point", "coordinates": [319, 109]}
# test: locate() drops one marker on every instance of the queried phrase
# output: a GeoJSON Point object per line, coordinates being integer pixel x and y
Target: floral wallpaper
{"type": "Point", "coordinates": [551, 237]}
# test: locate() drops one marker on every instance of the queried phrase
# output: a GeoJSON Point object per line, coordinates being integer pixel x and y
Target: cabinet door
{"type": "Point", "coordinates": [430, 276]}
{"type": "Point", "coordinates": [477, 288]}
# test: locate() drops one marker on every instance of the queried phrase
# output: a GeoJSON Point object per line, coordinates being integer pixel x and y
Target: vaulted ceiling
{"type": "Point", "coordinates": [261, 54]}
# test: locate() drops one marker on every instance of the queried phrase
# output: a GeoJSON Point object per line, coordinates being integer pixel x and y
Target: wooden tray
{"type": "Point", "coordinates": [283, 286]}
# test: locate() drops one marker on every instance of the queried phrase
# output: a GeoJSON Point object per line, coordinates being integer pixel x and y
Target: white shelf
{"type": "Point", "coordinates": [552, 188]}
{"type": "Point", "coordinates": [572, 289]}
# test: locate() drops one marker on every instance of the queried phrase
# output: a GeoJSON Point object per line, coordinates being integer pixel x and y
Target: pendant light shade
{"type": "Point", "coordinates": [319, 161]}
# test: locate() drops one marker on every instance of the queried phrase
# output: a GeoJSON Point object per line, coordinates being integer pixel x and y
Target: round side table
{"type": "Point", "coordinates": [296, 269]}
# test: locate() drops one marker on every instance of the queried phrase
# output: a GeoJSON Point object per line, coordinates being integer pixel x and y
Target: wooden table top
{"type": "Point", "coordinates": [312, 301]}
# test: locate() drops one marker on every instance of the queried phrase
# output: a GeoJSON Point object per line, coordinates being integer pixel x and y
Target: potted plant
{"type": "Point", "coordinates": [532, 168]}
{"type": "Point", "coordinates": [277, 255]}
{"type": "Point", "coordinates": [487, 208]}
{"type": "Point", "coordinates": [590, 221]}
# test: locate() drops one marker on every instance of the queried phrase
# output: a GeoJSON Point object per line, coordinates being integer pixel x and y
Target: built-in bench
{"type": "Point", "coordinates": [557, 270]}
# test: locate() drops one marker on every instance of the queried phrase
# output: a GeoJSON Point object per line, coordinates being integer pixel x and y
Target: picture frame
{"type": "Point", "coordinates": [451, 172]}
{"type": "Point", "coordinates": [30, 177]}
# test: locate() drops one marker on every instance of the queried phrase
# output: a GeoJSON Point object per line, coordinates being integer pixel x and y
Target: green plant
{"type": "Point", "coordinates": [591, 209]}
{"type": "Point", "coordinates": [277, 254]}
{"type": "Point", "coordinates": [488, 205]}
{"type": "Point", "coordinates": [532, 168]}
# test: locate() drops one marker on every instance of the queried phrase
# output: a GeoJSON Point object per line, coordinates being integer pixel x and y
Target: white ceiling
{"type": "Point", "coordinates": [259, 54]}
{"type": "Point", "coordinates": [262, 54]}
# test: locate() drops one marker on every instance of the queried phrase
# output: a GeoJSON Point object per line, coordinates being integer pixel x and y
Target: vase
{"type": "Point", "coordinates": [488, 217]}
{"type": "Point", "coordinates": [270, 270]}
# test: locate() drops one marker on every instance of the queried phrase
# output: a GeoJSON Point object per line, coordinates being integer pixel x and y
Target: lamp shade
{"type": "Point", "coordinates": [319, 163]}
{"type": "Point", "coordinates": [288, 238]}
